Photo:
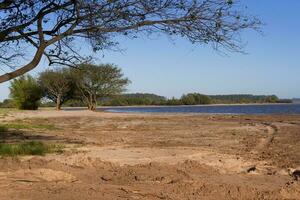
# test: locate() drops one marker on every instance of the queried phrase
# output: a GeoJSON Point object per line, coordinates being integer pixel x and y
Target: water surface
{"type": "Point", "coordinates": [214, 109]}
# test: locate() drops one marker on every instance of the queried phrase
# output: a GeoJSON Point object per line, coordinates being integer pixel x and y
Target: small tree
{"type": "Point", "coordinates": [58, 85]}
{"type": "Point", "coordinates": [25, 93]}
{"type": "Point", "coordinates": [96, 81]}
{"type": "Point", "coordinates": [195, 98]}
{"type": "Point", "coordinates": [188, 99]}
{"type": "Point", "coordinates": [202, 98]}
{"type": "Point", "coordinates": [271, 99]}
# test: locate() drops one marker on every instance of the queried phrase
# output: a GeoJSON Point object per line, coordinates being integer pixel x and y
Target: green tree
{"type": "Point", "coordinates": [188, 99]}
{"type": "Point", "coordinates": [25, 93]}
{"type": "Point", "coordinates": [58, 85]}
{"type": "Point", "coordinates": [97, 81]}
{"type": "Point", "coordinates": [7, 103]}
{"type": "Point", "coordinates": [271, 99]}
{"type": "Point", "coordinates": [202, 99]}
{"type": "Point", "coordinates": [195, 99]}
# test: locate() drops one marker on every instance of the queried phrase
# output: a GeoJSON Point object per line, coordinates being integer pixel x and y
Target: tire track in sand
{"type": "Point", "coordinates": [266, 141]}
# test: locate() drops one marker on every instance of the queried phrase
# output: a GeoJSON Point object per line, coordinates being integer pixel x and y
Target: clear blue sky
{"type": "Point", "coordinates": [171, 68]}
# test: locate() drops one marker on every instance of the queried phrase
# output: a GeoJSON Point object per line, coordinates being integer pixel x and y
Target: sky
{"type": "Point", "coordinates": [174, 67]}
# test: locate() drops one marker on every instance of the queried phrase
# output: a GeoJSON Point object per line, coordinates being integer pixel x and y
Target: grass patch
{"type": "Point", "coordinates": [19, 126]}
{"type": "Point", "coordinates": [5, 111]}
{"type": "Point", "coordinates": [29, 148]}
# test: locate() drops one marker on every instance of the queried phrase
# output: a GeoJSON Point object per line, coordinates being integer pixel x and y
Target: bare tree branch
{"type": "Point", "coordinates": [53, 27]}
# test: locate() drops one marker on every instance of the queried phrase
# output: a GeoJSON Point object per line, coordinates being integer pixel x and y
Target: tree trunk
{"type": "Point", "coordinates": [58, 102]}
{"type": "Point", "coordinates": [91, 107]}
{"type": "Point", "coordinates": [92, 103]}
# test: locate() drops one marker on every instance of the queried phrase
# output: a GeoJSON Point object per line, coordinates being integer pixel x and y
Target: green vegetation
{"type": "Point", "coordinates": [189, 99]}
{"type": "Point", "coordinates": [81, 86]}
{"type": "Point", "coordinates": [58, 85]}
{"type": "Point", "coordinates": [28, 148]}
{"type": "Point", "coordinates": [98, 81]}
{"type": "Point", "coordinates": [195, 99]}
{"type": "Point", "coordinates": [91, 85]}
{"type": "Point", "coordinates": [5, 111]}
{"type": "Point", "coordinates": [7, 103]}
{"type": "Point", "coordinates": [22, 125]}
{"type": "Point", "coordinates": [247, 98]}
{"type": "Point", "coordinates": [25, 93]}
{"type": "Point", "coordinates": [135, 99]}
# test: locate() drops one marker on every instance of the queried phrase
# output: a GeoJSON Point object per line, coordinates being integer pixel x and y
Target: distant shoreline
{"type": "Point", "coordinates": [233, 104]}
{"type": "Point", "coordinates": [206, 105]}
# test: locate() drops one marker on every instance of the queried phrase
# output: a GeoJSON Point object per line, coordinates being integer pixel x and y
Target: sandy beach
{"type": "Point", "coordinates": [157, 156]}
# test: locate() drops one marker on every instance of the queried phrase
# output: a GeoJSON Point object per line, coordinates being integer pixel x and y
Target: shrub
{"type": "Point", "coordinates": [7, 103]}
{"type": "Point", "coordinates": [25, 93]}
{"type": "Point", "coordinates": [271, 99]}
{"type": "Point", "coordinates": [195, 99]}
{"type": "Point", "coordinates": [28, 148]}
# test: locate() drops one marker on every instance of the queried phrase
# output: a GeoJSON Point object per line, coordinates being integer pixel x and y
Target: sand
{"type": "Point", "coordinates": [155, 156]}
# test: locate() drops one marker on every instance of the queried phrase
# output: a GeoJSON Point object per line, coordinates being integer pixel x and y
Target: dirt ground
{"type": "Point", "coordinates": [166, 156]}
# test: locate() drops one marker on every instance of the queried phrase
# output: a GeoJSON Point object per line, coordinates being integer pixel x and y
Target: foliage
{"type": "Point", "coordinates": [54, 28]}
{"type": "Point", "coordinates": [190, 99]}
{"type": "Point", "coordinates": [244, 98]}
{"type": "Point", "coordinates": [28, 148]}
{"type": "Point", "coordinates": [25, 93]}
{"type": "Point", "coordinates": [58, 85]}
{"type": "Point", "coordinates": [195, 99]}
{"type": "Point", "coordinates": [97, 81]}
{"type": "Point", "coordinates": [284, 101]}
{"type": "Point", "coordinates": [271, 99]}
{"type": "Point", "coordinates": [7, 103]}
{"type": "Point", "coordinates": [19, 125]}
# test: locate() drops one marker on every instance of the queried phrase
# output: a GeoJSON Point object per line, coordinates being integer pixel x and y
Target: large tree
{"type": "Point", "coordinates": [58, 85]}
{"type": "Point", "coordinates": [54, 27]}
{"type": "Point", "coordinates": [98, 81]}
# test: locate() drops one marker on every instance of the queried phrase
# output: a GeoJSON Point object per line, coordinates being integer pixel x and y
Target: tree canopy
{"type": "Point", "coordinates": [58, 85]}
{"type": "Point", "coordinates": [54, 28]}
{"type": "Point", "coordinates": [195, 99]}
{"type": "Point", "coordinates": [25, 93]}
{"type": "Point", "coordinates": [98, 81]}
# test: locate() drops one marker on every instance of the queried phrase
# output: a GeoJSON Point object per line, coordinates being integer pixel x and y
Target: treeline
{"type": "Point", "coordinates": [247, 98]}
{"type": "Point", "coordinates": [153, 99]}
{"type": "Point", "coordinates": [189, 99]}
{"type": "Point", "coordinates": [296, 100]}
{"type": "Point", "coordinates": [136, 99]}
{"type": "Point", "coordinates": [93, 85]}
